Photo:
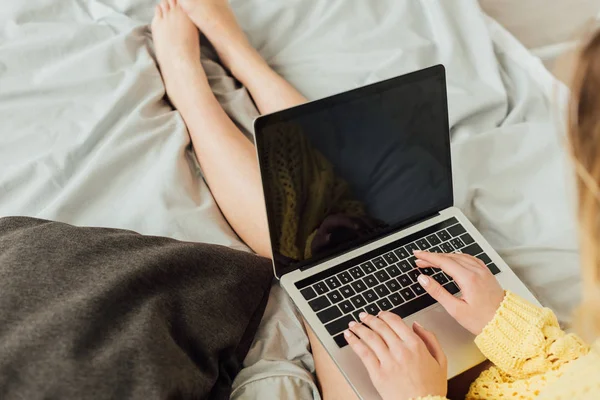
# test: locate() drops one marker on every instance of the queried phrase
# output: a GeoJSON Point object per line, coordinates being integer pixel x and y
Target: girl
{"type": "Point", "coordinates": [532, 357]}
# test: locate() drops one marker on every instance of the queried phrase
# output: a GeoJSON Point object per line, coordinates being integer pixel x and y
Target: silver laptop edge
{"type": "Point", "coordinates": [457, 342]}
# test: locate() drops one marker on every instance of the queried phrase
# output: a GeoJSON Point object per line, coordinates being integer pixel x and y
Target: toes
{"type": "Point", "coordinates": [158, 11]}
{"type": "Point", "coordinates": [172, 3]}
{"type": "Point", "coordinates": [165, 6]}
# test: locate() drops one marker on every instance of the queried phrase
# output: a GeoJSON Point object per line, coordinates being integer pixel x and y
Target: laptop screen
{"type": "Point", "coordinates": [343, 171]}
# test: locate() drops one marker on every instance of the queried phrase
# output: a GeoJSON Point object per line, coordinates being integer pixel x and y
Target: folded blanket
{"type": "Point", "coordinates": [111, 314]}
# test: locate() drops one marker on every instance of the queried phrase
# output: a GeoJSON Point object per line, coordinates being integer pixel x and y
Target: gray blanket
{"type": "Point", "coordinates": [111, 314]}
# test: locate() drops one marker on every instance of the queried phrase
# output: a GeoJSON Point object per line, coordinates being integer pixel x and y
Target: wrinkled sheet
{"type": "Point", "coordinates": [87, 138]}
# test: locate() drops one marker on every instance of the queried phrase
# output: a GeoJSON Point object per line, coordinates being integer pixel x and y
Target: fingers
{"type": "Point", "coordinates": [453, 268]}
{"type": "Point", "coordinates": [397, 325]}
{"type": "Point", "coordinates": [435, 290]}
{"type": "Point", "coordinates": [432, 343]}
{"type": "Point", "coordinates": [165, 6]}
{"type": "Point", "coordinates": [379, 326]}
{"type": "Point", "coordinates": [371, 339]}
{"type": "Point", "coordinates": [364, 352]}
{"type": "Point", "coordinates": [158, 11]}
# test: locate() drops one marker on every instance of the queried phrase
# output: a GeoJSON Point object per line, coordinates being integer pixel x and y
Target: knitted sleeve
{"type": "Point", "coordinates": [528, 348]}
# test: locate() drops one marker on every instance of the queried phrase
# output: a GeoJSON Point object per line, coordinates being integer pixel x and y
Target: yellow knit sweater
{"type": "Point", "coordinates": [533, 357]}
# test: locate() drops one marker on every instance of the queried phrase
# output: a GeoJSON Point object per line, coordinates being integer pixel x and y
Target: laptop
{"type": "Point", "coordinates": [353, 183]}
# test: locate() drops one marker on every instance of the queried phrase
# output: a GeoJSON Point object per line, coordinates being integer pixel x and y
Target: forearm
{"type": "Point", "coordinates": [524, 340]}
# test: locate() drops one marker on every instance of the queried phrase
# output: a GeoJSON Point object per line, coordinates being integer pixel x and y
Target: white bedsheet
{"type": "Point", "coordinates": [86, 137]}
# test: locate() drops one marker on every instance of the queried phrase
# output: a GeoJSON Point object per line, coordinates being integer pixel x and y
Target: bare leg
{"type": "Point", "coordinates": [216, 20]}
{"type": "Point", "coordinates": [212, 131]}
{"type": "Point", "coordinates": [213, 134]}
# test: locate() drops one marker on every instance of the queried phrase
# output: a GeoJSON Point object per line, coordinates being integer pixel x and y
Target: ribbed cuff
{"type": "Point", "coordinates": [515, 333]}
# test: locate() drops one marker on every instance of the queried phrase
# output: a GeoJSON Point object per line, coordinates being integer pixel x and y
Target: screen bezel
{"type": "Point", "coordinates": [436, 71]}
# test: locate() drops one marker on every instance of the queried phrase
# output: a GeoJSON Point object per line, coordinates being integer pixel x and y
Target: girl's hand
{"type": "Point", "coordinates": [403, 363]}
{"type": "Point", "coordinates": [481, 292]}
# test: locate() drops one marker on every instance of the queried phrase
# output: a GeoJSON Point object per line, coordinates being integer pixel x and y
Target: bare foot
{"type": "Point", "coordinates": [217, 21]}
{"type": "Point", "coordinates": [177, 44]}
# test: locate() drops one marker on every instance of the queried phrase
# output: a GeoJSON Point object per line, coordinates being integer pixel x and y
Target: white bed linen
{"type": "Point", "coordinates": [86, 137]}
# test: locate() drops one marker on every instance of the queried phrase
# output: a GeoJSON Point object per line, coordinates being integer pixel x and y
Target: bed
{"type": "Point", "coordinates": [86, 136]}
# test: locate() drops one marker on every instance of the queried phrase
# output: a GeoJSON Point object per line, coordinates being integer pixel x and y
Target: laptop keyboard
{"type": "Point", "coordinates": [386, 279]}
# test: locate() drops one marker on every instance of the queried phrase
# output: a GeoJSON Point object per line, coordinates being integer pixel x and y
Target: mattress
{"type": "Point", "coordinates": [87, 137]}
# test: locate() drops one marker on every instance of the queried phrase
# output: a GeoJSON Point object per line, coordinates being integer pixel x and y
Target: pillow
{"type": "Point", "coordinates": [92, 313]}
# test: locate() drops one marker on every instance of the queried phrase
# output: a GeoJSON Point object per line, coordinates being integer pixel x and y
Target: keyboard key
{"type": "Point", "coordinates": [393, 270]}
{"type": "Point", "coordinates": [384, 304]}
{"type": "Point", "coordinates": [443, 235]}
{"type": "Point", "coordinates": [308, 293]}
{"type": "Point", "coordinates": [368, 267]}
{"type": "Point", "coordinates": [411, 307]}
{"type": "Point", "coordinates": [435, 249]}
{"type": "Point", "coordinates": [382, 276]}
{"type": "Point", "coordinates": [357, 272]}
{"type": "Point", "coordinates": [379, 262]}
{"type": "Point", "coordinates": [401, 253]}
{"type": "Point", "coordinates": [321, 288]}
{"type": "Point", "coordinates": [457, 243]}
{"type": "Point", "coordinates": [358, 286]}
{"type": "Point", "coordinates": [390, 258]}
{"type": "Point", "coordinates": [418, 289]}
{"type": "Point", "coordinates": [414, 274]}
{"type": "Point", "coordinates": [396, 299]}
{"type": "Point", "coordinates": [456, 230]}
{"type": "Point", "coordinates": [423, 244]}
{"type": "Point", "coordinates": [347, 291]}
{"type": "Point", "coordinates": [356, 314]}
{"type": "Point", "coordinates": [485, 258]}
{"type": "Point", "coordinates": [319, 303]}
{"type": "Point", "coordinates": [412, 262]}
{"type": "Point", "coordinates": [451, 287]}
{"type": "Point", "coordinates": [407, 293]}
{"type": "Point", "coordinates": [372, 309]}
{"type": "Point", "coordinates": [339, 325]}
{"type": "Point", "coordinates": [404, 266]}
{"type": "Point", "coordinates": [346, 307]}
{"type": "Point", "coordinates": [404, 280]}
{"type": "Point", "coordinates": [358, 301]}
{"type": "Point", "coordinates": [393, 285]}
{"type": "Point", "coordinates": [340, 340]}
{"type": "Point", "coordinates": [473, 249]}
{"type": "Point", "coordinates": [335, 297]}
{"type": "Point", "coordinates": [493, 268]}
{"type": "Point", "coordinates": [440, 278]}
{"type": "Point", "coordinates": [467, 239]}
{"type": "Point", "coordinates": [333, 282]}
{"type": "Point", "coordinates": [434, 240]}
{"type": "Point", "coordinates": [370, 296]}
{"type": "Point", "coordinates": [382, 290]}
{"type": "Point", "coordinates": [370, 281]}
{"type": "Point", "coordinates": [330, 314]}
{"type": "Point", "coordinates": [427, 271]}
{"type": "Point", "coordinates": [411, 247]}
{"type": "Point", "coordinates": [446, 247]}
{"type": "Point", "coordinates": [345, 277]}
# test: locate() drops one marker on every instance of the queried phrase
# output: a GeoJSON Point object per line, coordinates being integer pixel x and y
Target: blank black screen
{"type": "Point", "coordinates": [343, 171]}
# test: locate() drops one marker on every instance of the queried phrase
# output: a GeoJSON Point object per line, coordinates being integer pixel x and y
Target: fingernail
{"type": "Point", "coordinates": [347, 333]}
{"type": "Point", "coordinates": [423, 280]}
{"type": "Point", "coordinates": [362, 315]}
{"type": "Point", "coordinates": [418, 324]}
{"type": "Point", "coordinates": [351, 324]}
{"type": "Point", "coordinates": [418, 251]}
{"type": "Point", "coordinates": [419, 261]}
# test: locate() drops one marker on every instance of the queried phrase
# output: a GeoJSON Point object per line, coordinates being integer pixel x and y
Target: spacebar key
{"type": "Point", "coordinates": [339, 325]}
{"type": "Point", "coordinates": [413, 306]}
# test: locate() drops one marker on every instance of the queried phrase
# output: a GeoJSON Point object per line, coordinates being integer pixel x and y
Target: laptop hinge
{"type": "Point", "coordinates": [403, 227]}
